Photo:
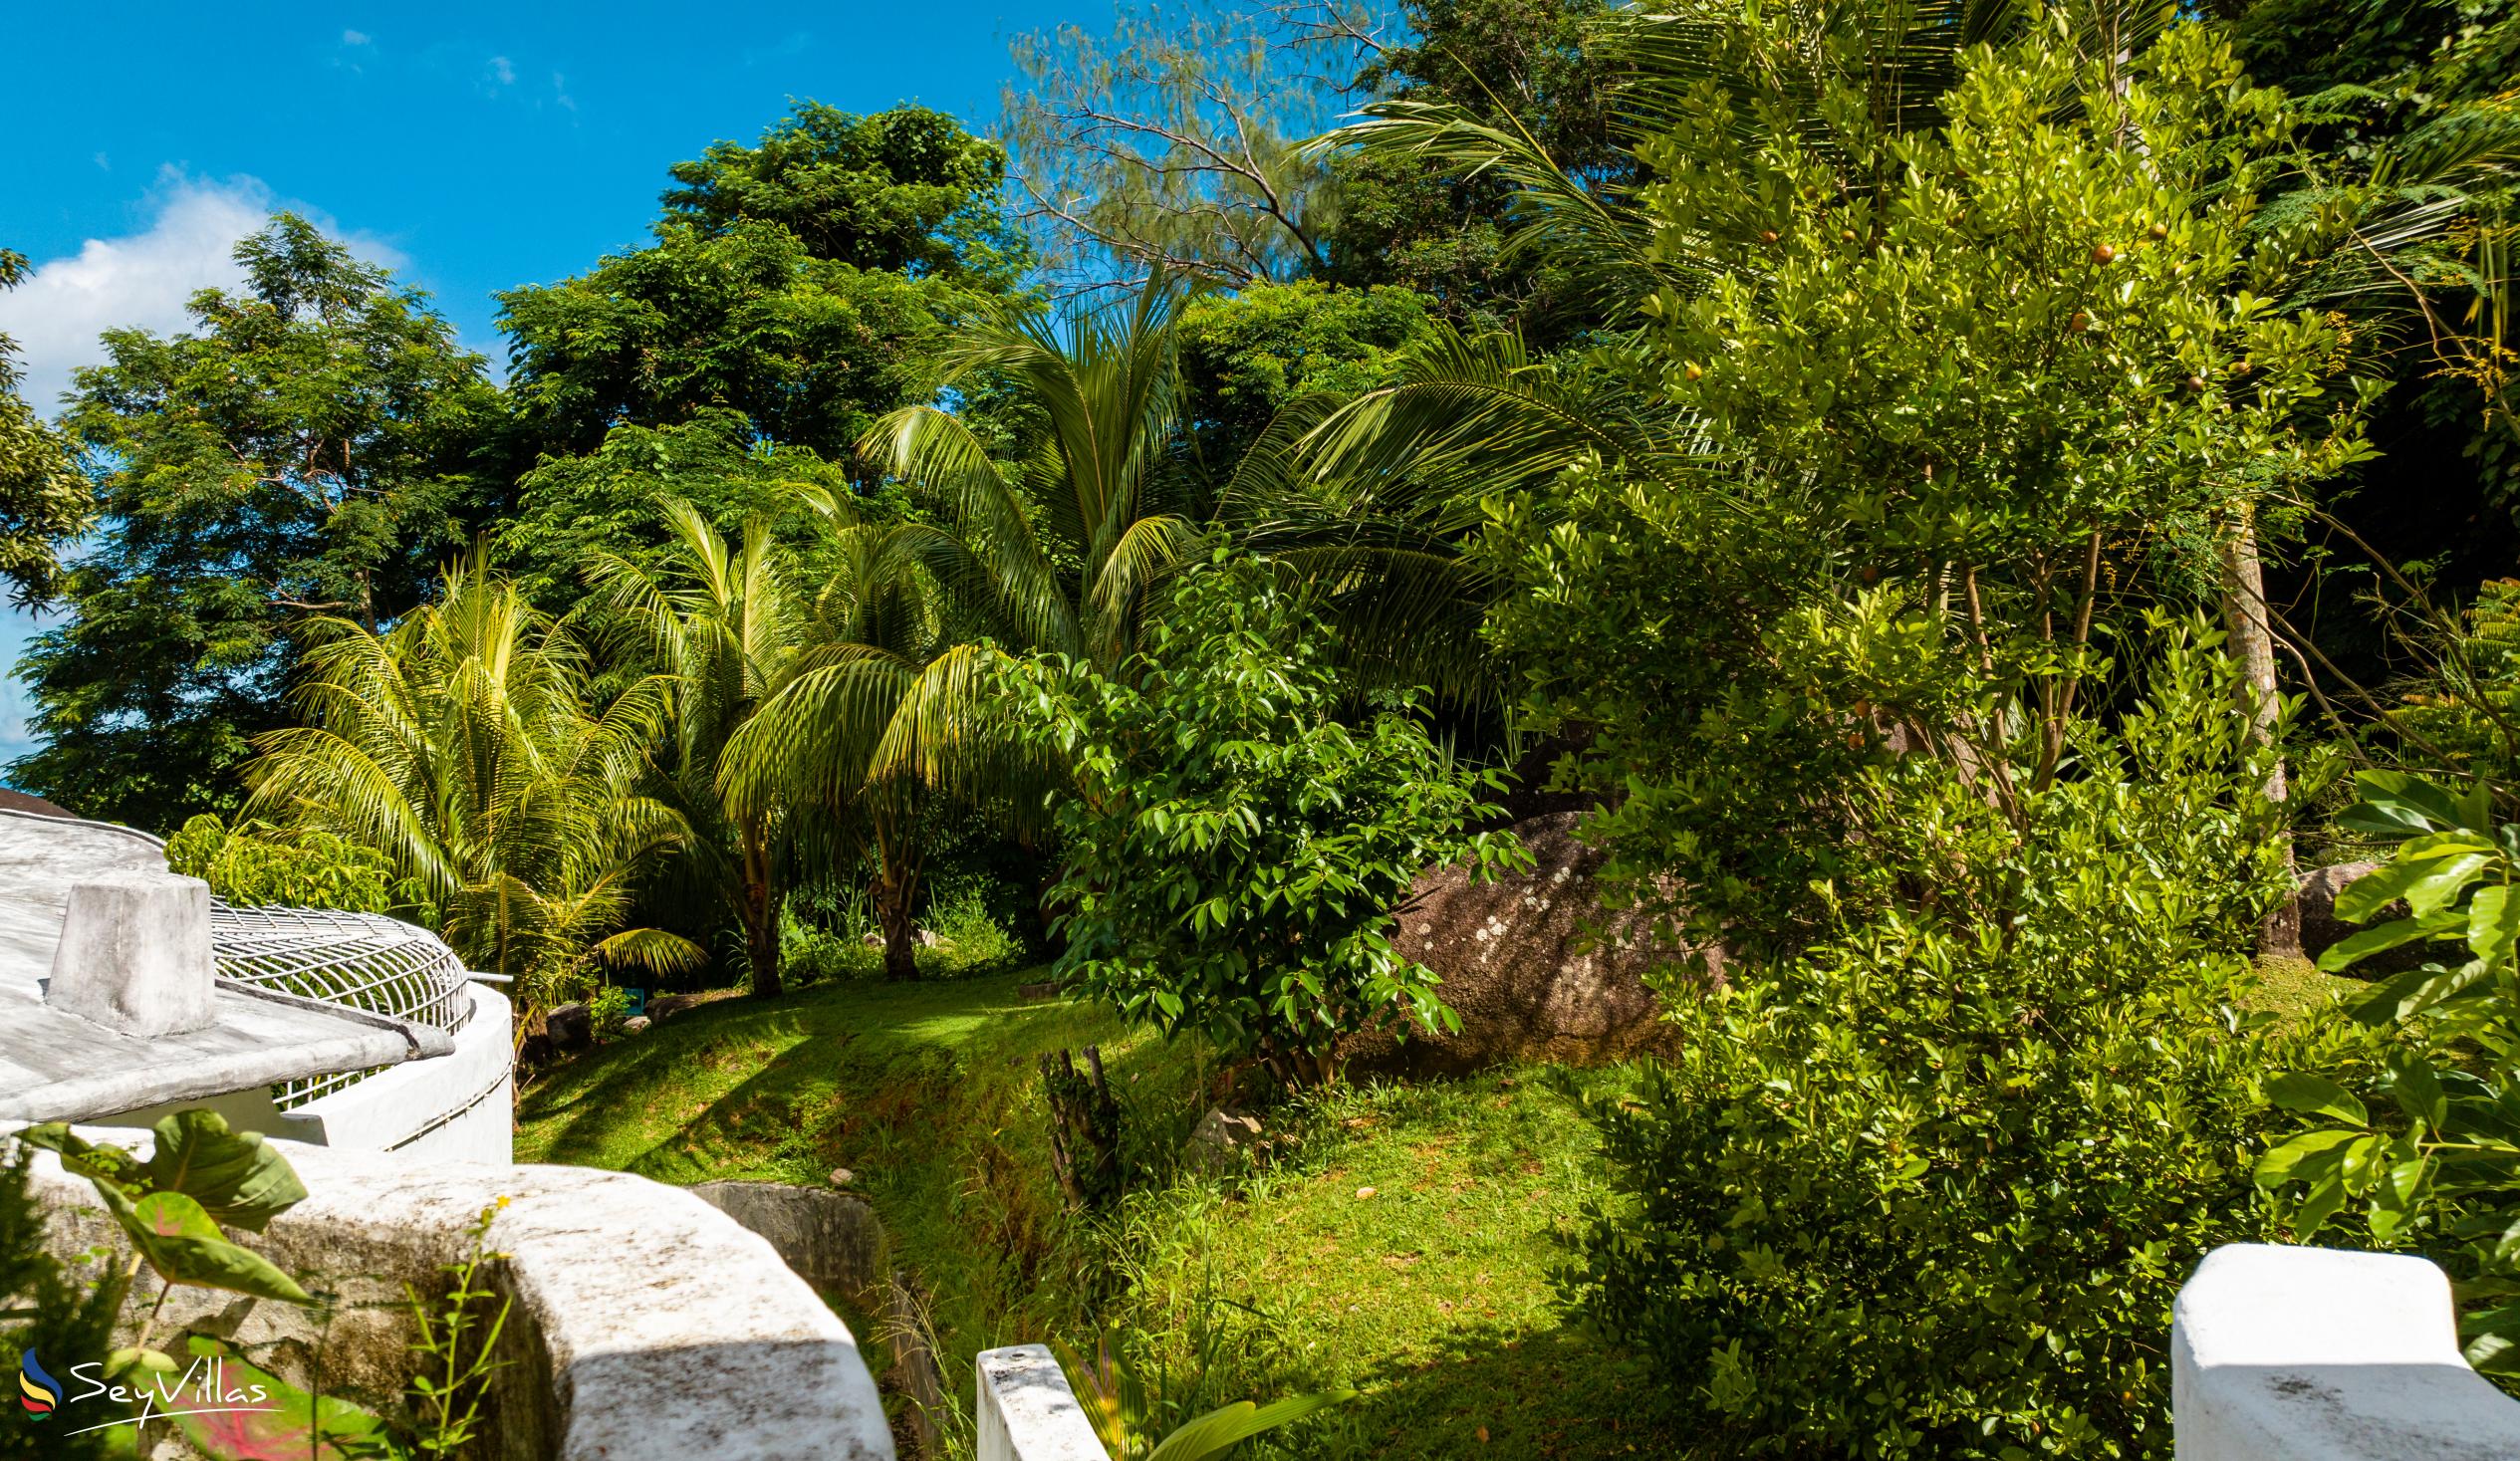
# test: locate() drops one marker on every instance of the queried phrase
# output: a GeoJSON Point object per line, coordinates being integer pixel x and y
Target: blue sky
{"type": "Point", "coordinates": [471, 146]}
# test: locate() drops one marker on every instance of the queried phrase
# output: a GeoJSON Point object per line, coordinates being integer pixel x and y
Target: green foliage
{"type": "Point", "coordinates": [1928, 1189]}
{"type": "Point", "coordinates": [50, 1314]}
{"type": "Point", "coordinates": [2426, 1154]}
{"type": "Point", "coordinates": [43, 498]}
{"type": "Point", "coordinates": [1960, 425]}
{"type": "Point", "coordinates": [460, 745]}
{"type": "Point", "coordinates": [1245, 356]}
{"type": "Point", "coordinates": [308, 449]}
{"type": "Point", "coordinates": [1121, 1407]}
{"type": "Point", "coordinates": [257, 865]}
{"type": "Point", "coordinates": [574, 511]}
{"type": "Point", "coordinates": [745, 318]}
{"type": "Point", "coordinates": [1234, 851]}
{"type": "Point", "coordinates": [906, 191]}
{"type": "Point", "coordinates": [1527, 66]}
{"type": "Point", "coordinates": [199, 1174]}
{"type": "Point", "coordinates": [458, 1334]}
{"type": "Point", "coordinates": [2413, 127]}
{"type": "Point", "coordinates": [2464, 717]}
{"type": "Point", "coordinates": [1171, 145]}
{"type": "Point", "coordinates": [607, 1009]}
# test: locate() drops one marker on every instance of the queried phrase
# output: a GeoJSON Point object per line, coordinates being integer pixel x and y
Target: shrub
{"type": "Point", "coordinates": [256, 864]}
{"type": "Point", "coordinates": [970, 940]}
{"type": "Point", "coordinates": [608, 1010]}
{"type": "Point", "coordinates": [1928, 1189]}
{"type": "Point", "coordinates": [1234, 849]}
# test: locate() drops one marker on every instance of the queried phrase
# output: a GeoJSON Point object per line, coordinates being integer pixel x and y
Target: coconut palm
{"type": "Point", "coordinates": [886, 715]}
{"type": "Point", "coordinates": [727, 625]}
{"type": "Point", "coordinates": [461, 743]}
{"type": "Point", "coordinates": [1066, 540]}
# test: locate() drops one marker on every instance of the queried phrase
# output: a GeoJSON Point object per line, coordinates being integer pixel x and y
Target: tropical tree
{"type": "Point", "coordinates": [1072, 533]}
{"type": "Point", "coordinates": [729, 628]}
{"type": "Point", "coordinates": [309, 448]}
{"type": "Point", "coordinates": [43, 498]}
{"type": "Point", "coordinates": [461, 744]}
{"type": "Point", "coordinates": [885, 716]}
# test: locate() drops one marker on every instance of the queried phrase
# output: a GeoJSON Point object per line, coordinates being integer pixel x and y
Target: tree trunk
{"type": "Point", "coordinates": [2253, 640]}
{"type": "Point", "coordinates": [895, 893]}
{"type": "Point", "coordinates": [761, 919]}
{"type": "Point", "coordinates": [1083, 1129]}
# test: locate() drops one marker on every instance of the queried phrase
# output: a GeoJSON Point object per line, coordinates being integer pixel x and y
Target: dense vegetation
{"type": "Point", "coordinates": [1955, 487]}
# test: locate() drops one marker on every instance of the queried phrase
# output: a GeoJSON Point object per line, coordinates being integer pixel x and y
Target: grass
{"type": "Point", "coordinates": [2293, 987]}
{"type": "Point", "coordinates": [1431, 1296]}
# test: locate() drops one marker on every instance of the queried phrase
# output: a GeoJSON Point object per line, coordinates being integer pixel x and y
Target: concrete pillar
{"type": "Point", "coordinates": [2282, 1353]}
{"type": "Point", "coordinates": [134, 954]}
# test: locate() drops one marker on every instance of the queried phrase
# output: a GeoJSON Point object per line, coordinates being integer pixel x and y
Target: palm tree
{"type": "Point", "coordinates": [1064, 543]}
{"type": "Point", "coordinates": [727, 626]}
{"type": "Point", "coordinates": [460, 744]}
{"type": "Point", "coordinates": [885, 716]}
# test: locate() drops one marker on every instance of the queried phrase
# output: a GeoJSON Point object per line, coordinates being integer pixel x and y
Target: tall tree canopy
{"type": "Point", "coordinates": [799, 281]}
{"type": "Point", "coordinates": [906, 189]}
{"type": "Point", "coordinates": [306, 450]}
{"type": "Point", "coordinates": [43, 499]}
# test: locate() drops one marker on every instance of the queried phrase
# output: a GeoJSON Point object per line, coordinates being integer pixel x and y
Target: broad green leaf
{"type": "Point", "coordinates": [2283, 1164]}
{"type": "Point", "coordinates": [2493, 923]}
{"type": "Point", "coordinates": [2325, 1198]}
{"type": "Point", "coordinates": [2366, 895]}
{"type": "Point", "coordinates": [237, 1177]}
{"type": "Point", "coordinates": [282, 1423]}
{"type": "Point", "coordinates": [2316, 1095]}
{"type": "Point", "coordinates": [2348, 951]}
{"type": "Point", "coordinates": [2412, 993]}
{"type": "Point", "coordinates": [83, 1159]}
{"type": "Point", "coordinates": [2417, 1092]}
{"type": "Point", "coordinates": [1220, 1429]}
{"type": "Point", "coordinates": [183, 1246]}
{"type": "Point", "coordinates": [2394, 800]}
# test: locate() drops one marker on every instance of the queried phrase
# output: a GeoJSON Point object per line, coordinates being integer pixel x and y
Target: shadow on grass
{"type": "Point", "coordinates": [1556, 1392]}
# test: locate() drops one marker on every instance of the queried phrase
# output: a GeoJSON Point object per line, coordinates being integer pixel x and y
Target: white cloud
{"type": "Point", "coordinates": [141, 279]}
{"type": "Point", "coordinates": [355, 38]}
{"type": "Point", "coordinates": [502, 71]}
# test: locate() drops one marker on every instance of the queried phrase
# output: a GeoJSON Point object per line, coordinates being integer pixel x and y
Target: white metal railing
{"type": "Point", "coordinates": [363, 961]}
{"type": "Point", "coordinates": [2317, 1355]}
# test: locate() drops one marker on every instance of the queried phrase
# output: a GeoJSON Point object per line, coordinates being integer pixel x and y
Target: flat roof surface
{"type": "Point", "coordinates": [59, 1066]}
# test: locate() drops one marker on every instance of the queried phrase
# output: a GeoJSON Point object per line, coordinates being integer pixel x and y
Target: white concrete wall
{"type": "Point", "coordinates": [1027, 1412]}
{"type": "Point", "coordinates": [659, 1330]}
{"type": "Point", "coordinates": [2314, 1354]}
{"type": "Point", "coordinates": [456, 1108]}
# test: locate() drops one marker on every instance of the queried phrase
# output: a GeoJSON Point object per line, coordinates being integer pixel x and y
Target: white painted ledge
{"type": "Point", "coordinates": [2284, 1353]}
{"type": "Point", "coordinates": [1027, 1412]}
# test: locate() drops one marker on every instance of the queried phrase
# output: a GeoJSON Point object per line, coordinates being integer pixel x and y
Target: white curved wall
{"type": "Point", "coordinates": [455, 1107]}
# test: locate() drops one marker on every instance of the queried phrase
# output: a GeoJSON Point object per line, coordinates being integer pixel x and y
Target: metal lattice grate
{"type": "Point", "coordinates": [365, 960]}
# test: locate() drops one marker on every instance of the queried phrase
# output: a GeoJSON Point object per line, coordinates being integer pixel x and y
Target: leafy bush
{"type": "Point", "coordinates": [608, 1009]}
{"type": "Point", "coordinates": [811, 953]}
{"type": "Point", "coordinates": [257, 865]}
{"type": "Point", "coordinates": [2433, 1157]}
{"type": "Point", "coordinates": [1233, 849]}
{"type": "Point", "coordinates": [1928, 1189]}
{"type": "Point", "coordinates": [970, 940]}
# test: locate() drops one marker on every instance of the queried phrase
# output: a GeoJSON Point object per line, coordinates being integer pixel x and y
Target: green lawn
{"type": "Point", "coordinates": [1431, 1296]}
